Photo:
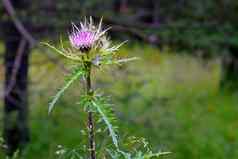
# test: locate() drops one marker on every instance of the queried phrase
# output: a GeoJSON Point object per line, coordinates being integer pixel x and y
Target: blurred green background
{"type": "Point", "coordinates": [181, 95]}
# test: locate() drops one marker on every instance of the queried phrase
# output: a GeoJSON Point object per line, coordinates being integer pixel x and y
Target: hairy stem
{"type": "Point", "coordinates": [92, 148]}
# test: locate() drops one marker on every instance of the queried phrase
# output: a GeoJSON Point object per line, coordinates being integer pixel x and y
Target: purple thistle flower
{"type": "Point", "coordinates": [89, 39]}
{"type": "Point", "coordinates": [82, 40]}
{"type": "Point", "coordinates": [86, 37]}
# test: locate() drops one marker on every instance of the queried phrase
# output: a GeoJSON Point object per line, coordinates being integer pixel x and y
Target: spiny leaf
{"type": "Point", "coordinates": [127, 59]}
{"type": "Point", "coordinates": [100, 108]}
{"type": "Point", "coordinates": [75, 75]}
{"type": "Point", "coordinates": [112, 50]}
{"type": "Point", "coordinates": [111, 61]}
{"type": "Point", "coordinates": [158, 154]}
{"type": "Point", "coordinates": [65, 54]}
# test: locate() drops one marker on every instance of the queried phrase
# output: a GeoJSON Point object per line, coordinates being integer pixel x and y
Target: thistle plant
{"type": "Point", "coordinates": [91, 49]}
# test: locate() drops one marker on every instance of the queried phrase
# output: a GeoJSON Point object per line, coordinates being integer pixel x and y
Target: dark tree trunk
{"type": "Point", "coordinates": [16, 132]}
{"type": "Point", "coordinates": [230, 69]}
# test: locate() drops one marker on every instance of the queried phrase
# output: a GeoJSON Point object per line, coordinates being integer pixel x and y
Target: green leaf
{"type": "Point", "coordinates": [127, 60]}
{"type": "Point", "coordinates": [158, 154]}
{"type": "Point", "coordinates": [64, 53]}
{"type": "Point", "coordinates": [75, 75]}
{"type": "Point", "coordinates": [103, 112]}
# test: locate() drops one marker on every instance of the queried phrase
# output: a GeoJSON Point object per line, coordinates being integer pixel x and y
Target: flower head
{"type": "Point", "coordinates": [89, 43]}
{"type": "Point", "coordinates": [82, 40]}
{"type": "Point", "coordinates": [85, 37]}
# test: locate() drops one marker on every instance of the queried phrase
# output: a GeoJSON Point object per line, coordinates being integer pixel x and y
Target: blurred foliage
{"type": "Point", "coordinates": [208, 26]}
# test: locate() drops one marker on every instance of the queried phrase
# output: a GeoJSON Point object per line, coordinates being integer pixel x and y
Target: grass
{"type": "Point", "coordinates": [173, 100]}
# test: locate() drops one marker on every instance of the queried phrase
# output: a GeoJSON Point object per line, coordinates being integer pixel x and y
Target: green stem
{"type": "Point", "coordinates": [92, 145]}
